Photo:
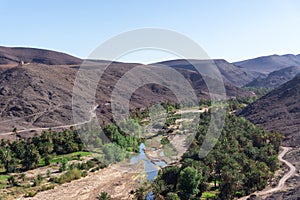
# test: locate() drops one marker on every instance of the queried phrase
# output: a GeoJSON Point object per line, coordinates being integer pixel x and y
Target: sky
{"type": "Point", "coordinates": [231, 29]}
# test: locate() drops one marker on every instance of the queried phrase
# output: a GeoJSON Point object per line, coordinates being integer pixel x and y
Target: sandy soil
{"type": "Point", "coordinates": [116, 182]}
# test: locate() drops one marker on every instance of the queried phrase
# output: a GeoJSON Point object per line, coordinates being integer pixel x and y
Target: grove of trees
{"type": "Point", "coordinates": [243, 161]}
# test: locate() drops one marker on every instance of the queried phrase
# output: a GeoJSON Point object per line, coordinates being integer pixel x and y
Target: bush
{"type": "Point", "coordinates": [46, 187]}
{"type": "Point", "coordinates": [48, 173]}
{"type": "Point", "coordinates": [31, 194]}
{"type": "Point", "coordinates": [63, 166]}
{"type": "Point", "coordinates": [84, 173]}
{"type": "Point", "coordinates": [69, 176]}
{"type": "Point", "coordinates": [12, 181]}
{"type": "Point", "coordinates": [103, 196]}
{"type": "Point", "coordinates": [37, 180]}
{"type": "Point", "coordinates": [165, 141]}
{"type": "Point", "coordinates": [22, 176]}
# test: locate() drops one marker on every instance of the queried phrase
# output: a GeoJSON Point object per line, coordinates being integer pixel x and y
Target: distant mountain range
{"type": "Point", "coordinates": [279, 110]}
{"type": "Point", "coordinates": [275, 78]}
{"type": "Point", "coordinates": [39, 92]}
{"type": "Point", "coordinates": [231, 74]}
{"type": "Point", "coordinates": [252, 72]}
{"type": "Point", "coordinates": [268, 64]}
{"type": "Point", "coordinates": [44, 83]}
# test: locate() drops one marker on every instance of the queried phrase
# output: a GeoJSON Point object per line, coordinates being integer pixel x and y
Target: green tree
{"type": "Point", "coordinates": [31, 157]}
{"type": "Point", "coordinates": [140, 193]}
{"type": "Point", "coordinates": [8, 160]}
{"type": "Point", "coordinates": [172, 196]}
{"type": "Point", "coordinates": [189, 181]}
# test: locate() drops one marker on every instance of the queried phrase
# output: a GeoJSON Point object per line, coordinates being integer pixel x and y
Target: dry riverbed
{"type": "Point", "coordinates": [115, 181]}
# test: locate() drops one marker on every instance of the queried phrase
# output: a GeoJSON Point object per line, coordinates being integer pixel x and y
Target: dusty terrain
{"type": "Point", "coordinates": [39, 95]}
{"type": "Point", "coordinates": [114, 181]}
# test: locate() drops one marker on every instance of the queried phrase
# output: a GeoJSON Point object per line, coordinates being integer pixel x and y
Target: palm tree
{"type": "Point", "coordinates": [5, 157]}
{"type": "Point", "coordinates": [15, 132]}
{"type": "Point", "coordinates": [140, 193]}
{"type": "Point", "coordinates": [103, 196]}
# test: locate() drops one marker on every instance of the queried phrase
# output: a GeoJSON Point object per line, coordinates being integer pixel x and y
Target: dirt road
{"type": "Point", "coordinates": [93, 114]}
{"type": "Point", "coordinates": [282, 181]}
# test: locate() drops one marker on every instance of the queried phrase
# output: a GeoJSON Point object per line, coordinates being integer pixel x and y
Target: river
{"type": "Point", "coordinates": [151, 168]}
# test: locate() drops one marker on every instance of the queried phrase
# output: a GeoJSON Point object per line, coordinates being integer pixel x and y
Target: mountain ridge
{"type": "Point", "coordinates": [275, 78]}
{"type": "Point", "coordinates": [278, 110]}
{"type": "Point", "coordinates": [17, 55]}
{"type": "Point", "coordinates": [231, 74]}
{"type": "Point", "coordinates": [268, 64]}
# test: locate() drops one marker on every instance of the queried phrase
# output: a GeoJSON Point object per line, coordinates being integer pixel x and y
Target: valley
{"type": "Point", "coordinates": [36, 100]}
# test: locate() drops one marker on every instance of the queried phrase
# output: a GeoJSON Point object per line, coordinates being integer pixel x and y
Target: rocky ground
{"type": "Point", "coordinates": [114, 180]}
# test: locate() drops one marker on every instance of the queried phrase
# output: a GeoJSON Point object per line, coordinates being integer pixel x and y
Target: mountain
{"type": "Point", "coordinates": [230, 73]}
{"type": "Point", "coordinates": [40, 95]}
{"type": "Point", "coordinates": [276, 78]}
{"type": "Point", "coordinates": [279, 110]}
{"type": "Point", "coordinates": [268, 64]}
{"type": "Point", "coordinates": [15, 55]}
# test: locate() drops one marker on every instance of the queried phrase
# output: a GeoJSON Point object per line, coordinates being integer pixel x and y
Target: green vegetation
{"type": "Point", "coordinates": [39, 151]}
{"type": "Point", "coordinates": [208, 195]}
{"type": "Point", "coordinates": [69, 176]}
{"type": "Point", "coordinates": [67, 157]}
{"type": "Point", "coordinates": [165, 141]}
{"type": "Point", "coordinates": [261, 91]}
{"type": "Point", "coordinates": [103, 196]}
{"type": "Point", "coordinates": [243, 160]}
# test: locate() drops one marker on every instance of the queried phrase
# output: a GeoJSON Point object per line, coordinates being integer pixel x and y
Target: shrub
{"type": "Point", "coordinates": [84, 173]}
{"type": "Point", "coordinates": [22, 176]}
{"type": "Point", "coordinates": [37, 180]}
{"type": "Point", "coordinates": [31, 194]}
{"type": "Point", "coordinates": [70, 175]}
{"type": "Point", "coordinates": [63, 166]}
{"type": "Point", "coordinates": [103, 196]}
{"type": "Point", "coordinates": [48, 173]}
{"type": "Point", "coordinates": [12, 181]}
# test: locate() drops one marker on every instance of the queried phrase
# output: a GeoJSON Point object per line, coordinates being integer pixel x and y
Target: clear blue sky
{"type": "Point", "coordinates": [233, 30]}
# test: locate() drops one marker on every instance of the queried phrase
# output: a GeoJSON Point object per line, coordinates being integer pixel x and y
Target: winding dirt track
{"type": "Point", "coordinates": [93, 114]}
{"type": "Point", "coordinates": [282, 181]}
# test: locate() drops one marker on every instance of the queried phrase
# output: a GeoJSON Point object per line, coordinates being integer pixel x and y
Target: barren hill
{"type": "Point", "coordinates": [268, 64]}
{"type": "Point", "coordinates": [230, 73]}
{"type": "Point", "coordinates": [276, 78]}
{"type": "Point", "coordinates": [279, 110]}
{"type": "Point", "coordinates": [39, 95]}
{"type": "Point", "coordinates": [14, 55]}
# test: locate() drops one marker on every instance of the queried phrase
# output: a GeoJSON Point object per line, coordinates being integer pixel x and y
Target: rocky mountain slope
{"type": "Point", "coordinates": [268, 64]}
{"type": "Point", "coordinates": [279, 110]}
{"type": "Point", "coordinates": [230, 73]}
{"type": "Point", "coordinates": [15, 55]}
{"type": "Point", "coordinates": [40, 95]}
{"type": "Point", "coordinates": [276, 78]}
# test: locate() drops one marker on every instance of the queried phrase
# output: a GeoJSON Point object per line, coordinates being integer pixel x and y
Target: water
{"type": "Point", "coordinates": [150, 196]}
{"type": "Point", "coordinates": [150, 168]}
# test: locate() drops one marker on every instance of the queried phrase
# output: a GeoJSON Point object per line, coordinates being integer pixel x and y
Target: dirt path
{"type": "Point", "coordinates": [282, 181]}
{"type": "Point", "coordinates": [196, 110]}
{"type": "Point", "coordinates": [93, 114]}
